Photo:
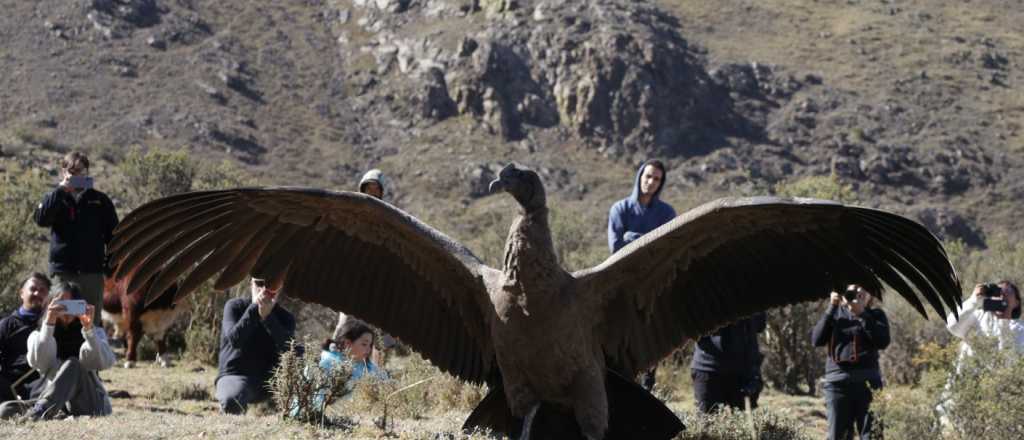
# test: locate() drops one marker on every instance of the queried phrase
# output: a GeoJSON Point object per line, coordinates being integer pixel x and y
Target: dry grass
{"type": "Point", "coordinates": [178, 402]}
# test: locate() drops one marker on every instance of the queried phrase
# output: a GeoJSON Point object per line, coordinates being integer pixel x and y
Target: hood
{"type": "Point", "coordinates": [378, 176]}
{"type": "Point", "coordinates": [635, 197]}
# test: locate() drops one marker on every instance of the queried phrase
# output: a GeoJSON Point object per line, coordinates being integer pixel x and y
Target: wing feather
{"type": "Point", "coordinates": [734, 257]}
{"type": "Point", "coordinates": [343, 250]}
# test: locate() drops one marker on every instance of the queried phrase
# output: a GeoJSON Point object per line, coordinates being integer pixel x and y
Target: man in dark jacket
{"type": "Point", "coordinates": [254, 333]}
{"type": "Point", "coordinates": [726, 366]}
{"type": "Point", "coordinates": [638, 214]}
{"type": "Point", "coordinates": [81, 221]}
{"type": "Point", "coordinates": [853, 332]}
{"type": "Point", "coordinates": [14, 331]}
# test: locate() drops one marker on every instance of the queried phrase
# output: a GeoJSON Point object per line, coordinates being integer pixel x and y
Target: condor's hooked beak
{"type": "Point", "coordinates": [495, 186]}
{"type": "Point", "coordinates": [502, 182]}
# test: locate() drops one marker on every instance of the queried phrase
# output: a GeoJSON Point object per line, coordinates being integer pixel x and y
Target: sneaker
{"type": "Point", "coordinates": [39, 411]}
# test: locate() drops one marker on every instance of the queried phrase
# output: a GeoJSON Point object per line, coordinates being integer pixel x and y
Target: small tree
{"type": "Point", "coordinates": [157, 173]}
{"type": "Point", "coordinates": [22, 243]}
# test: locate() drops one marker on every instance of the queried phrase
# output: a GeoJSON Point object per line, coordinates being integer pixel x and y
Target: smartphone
{"type": "Point", "coordinates": [80, 182]}
{"type": "Point", "coordinates": [994, 305]}
{"type": "Point", "coordinates": [75, 307]}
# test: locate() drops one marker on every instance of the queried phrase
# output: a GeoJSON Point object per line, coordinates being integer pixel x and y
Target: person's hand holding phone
{"type": "Point", "coordinates": [54, 311]}
{"type": "Point", "coordinates": [265, 301]}
{"type": "Point", "coordinates": [86, 318]}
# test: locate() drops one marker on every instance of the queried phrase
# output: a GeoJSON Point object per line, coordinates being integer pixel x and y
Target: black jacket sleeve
{"type": "Point", "coordinates": [52, 210]}
{"type": "Point", "coordinates": [110, 219]}
{"type": "Point", "coordinates": [822, 331]}
{"type": "Point", "coordinates": [759, 322]}
{"type": "Point", "coordinates": [281, 327]}
{"type": "Point", "coordinates": [876, 328]}
{"type": "Point", "coordinates": [239, 322]}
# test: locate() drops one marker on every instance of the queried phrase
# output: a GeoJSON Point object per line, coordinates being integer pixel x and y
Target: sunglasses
{"type": "Point", "coordinates": [262, 284]}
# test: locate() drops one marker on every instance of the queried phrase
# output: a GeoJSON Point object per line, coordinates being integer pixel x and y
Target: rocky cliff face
{"type": "Point", "coordinates": [317, 90]}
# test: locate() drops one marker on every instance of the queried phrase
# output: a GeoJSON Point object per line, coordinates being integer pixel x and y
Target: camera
{"type": "Point", "coordinates": [994, 305]}
{"type": "Point", "coordinates": [850, 295]}
{"type": "Point", "coordinates": [991, 290]}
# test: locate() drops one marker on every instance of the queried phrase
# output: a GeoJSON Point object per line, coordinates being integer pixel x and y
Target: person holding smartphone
{"type": "Point", "coordinates": [81, 221]}
{"type": "Point", "coordinates": [854, 331]}
{"type": "Point", "coordinates": [67, 350]}
{"type": "Point", "coordinates": [255, 332]}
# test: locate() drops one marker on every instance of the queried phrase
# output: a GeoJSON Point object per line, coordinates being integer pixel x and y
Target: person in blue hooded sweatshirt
{"type": "Point", "coordinates": [638, 214]}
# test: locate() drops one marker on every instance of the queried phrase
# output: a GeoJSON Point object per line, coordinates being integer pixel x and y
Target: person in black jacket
{"type": "Point", "coordinates": [14, 331]}
{"type": "Point", "coordinates": [726, 366]}
{"type": "Point", "coordinates": [254, 333]}
{"type": "Point", "coordinates": [854, 332]}
{"type": "Point", "coordinates": [81, 221]}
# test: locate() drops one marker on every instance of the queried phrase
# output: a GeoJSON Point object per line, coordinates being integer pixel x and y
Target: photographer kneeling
{"type": "Point", "coordinates": [854, 333]}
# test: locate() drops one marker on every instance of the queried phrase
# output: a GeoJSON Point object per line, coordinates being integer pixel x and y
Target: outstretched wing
{"type": "Point", "coordinates": [347, 251]}
{"type": "Point", "coordinates": [730, 258]}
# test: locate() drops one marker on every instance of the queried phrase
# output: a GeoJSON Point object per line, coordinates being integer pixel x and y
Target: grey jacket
{"type": "Point", "coordinates": [94, 355]}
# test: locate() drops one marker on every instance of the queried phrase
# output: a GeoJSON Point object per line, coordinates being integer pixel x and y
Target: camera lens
{"type": "Point", "coordinates": [850, 295]}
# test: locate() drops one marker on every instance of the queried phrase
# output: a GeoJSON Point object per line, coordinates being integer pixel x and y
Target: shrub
{"type": "Point", "coordinates": [982, 393]}
{"type": "Point", "coordinates": [202, 334]}
{"type": "Point", "coordinates": [23, 245]}
{"type": "Point", "coordinates": [297, 380]}
{"type": "Point", "coordinates": [155, 174]}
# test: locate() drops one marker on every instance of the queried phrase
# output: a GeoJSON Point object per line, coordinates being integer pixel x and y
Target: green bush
{"type": "Point", "coordinates": [23, 245]}
{"type": "Point", "coordinates": [202, 334]}
{"type": "Point", "coordinates": [983, 393]}
{"type": "Point", "coordinates": [155, 174]}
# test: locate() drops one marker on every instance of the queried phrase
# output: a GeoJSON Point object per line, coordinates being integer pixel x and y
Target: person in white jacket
{"type": "Point", "coordinates": [67, 350]}
{"type": "Point", "coordinates": [1004, 325]}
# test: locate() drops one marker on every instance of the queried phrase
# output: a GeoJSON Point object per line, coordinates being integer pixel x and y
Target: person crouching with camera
{"type": "Point", "coordinates": [854, 332]}
{"type": "Point", "coordinates": [992, 310]}
{"type": "Point", "coordinates": [67, 350]}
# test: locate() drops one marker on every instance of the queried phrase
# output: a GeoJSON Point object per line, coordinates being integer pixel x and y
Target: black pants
{"type": "Point", "coordinates": [848, 410]}
{"type": "Point", "coordinates": [715, 390]}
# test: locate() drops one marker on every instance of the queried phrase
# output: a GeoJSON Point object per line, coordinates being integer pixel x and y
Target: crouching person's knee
{"type": "Point", "coordinates": [232, 405]}
{"type": "Point", "coordinates": [233, 395]}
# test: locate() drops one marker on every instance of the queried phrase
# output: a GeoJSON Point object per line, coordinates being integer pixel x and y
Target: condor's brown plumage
{"type": "Point", "coordinates": [533, 331]}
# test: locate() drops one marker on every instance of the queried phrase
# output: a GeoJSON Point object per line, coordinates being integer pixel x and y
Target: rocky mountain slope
{"type": "Point", "coordinates": [915, 104]}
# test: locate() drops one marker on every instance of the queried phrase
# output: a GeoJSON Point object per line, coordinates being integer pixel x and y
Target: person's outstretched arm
{"type": "Point", "coordinates": [822, 331]}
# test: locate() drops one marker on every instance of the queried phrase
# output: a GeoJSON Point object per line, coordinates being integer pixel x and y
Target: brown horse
{"type": "Point", "coordinates": [131, 319]}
